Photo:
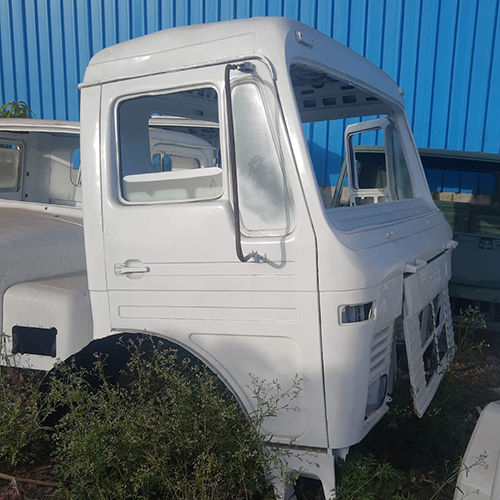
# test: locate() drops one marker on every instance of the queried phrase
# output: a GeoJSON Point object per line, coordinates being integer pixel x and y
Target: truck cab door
{"type": "Point", "coordinates": [171, 265]}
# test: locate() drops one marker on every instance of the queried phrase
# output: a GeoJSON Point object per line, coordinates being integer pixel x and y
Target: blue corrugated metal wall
{"type": "Point", "coordinates": [444, 53]}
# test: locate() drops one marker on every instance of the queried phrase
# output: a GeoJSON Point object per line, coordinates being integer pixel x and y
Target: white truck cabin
{"type": "Point", "coordinates": [237, 258]}
{"type": "Point", "coordinates": [45, 308]}
{"type": "Point", "coordinates": [40, 161]}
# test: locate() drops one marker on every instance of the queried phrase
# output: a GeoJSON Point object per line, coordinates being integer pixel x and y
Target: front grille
{"type": "Point", "coordinates": [380, 357]}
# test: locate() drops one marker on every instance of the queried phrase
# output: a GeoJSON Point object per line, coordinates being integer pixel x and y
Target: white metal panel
{"type": "Point", "coordinates": [37, 245]}
{"type": "Point", "coordinates": [92, 150]}
{"type": "Point", "coordinates": [63, 303]}
{"type": "Point", "coordinates": [479, 477]}
{"type": "Point", "coordinates": [241, 318]}
{"type": "Point", "coordinates": [347, 354]}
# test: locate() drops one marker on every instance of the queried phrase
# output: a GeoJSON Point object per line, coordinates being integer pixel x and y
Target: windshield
{"type": "Point", "coordinates": [328, 106]}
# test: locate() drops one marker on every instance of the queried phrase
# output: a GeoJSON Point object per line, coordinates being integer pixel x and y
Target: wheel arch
{"type": "Point", "coordinates": [112, 346]}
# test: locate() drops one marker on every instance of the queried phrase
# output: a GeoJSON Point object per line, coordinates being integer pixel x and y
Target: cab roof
{"type": "Point", "coordinates": [35, 125]}
{"type": "Point", "coordinates": [277, 39]}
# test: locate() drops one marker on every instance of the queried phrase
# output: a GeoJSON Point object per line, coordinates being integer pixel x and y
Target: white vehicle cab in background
{"type": "Point", "coordinates": [42, 263]}
{"type": "Point", "coordinates": [40, 161]}
{"type": "Point", "coordinates": [41, 219]}
{"type": "Point", "coordinates": [220, 243]}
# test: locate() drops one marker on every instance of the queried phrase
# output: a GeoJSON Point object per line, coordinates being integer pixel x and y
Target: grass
{"type": "Point", "coordinates": [166, 427]}
{"type": "Point", "coordinates": [22, 433]}
{"type": "Point", "coordinates": [366, 477]}
{"type": "Point", "coordinates": [419, 458]}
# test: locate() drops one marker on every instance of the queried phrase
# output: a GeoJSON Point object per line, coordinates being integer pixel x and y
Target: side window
{"type": "Point", "coordinates": [402, 181]}
{"type": "Point", "coordinates": [169, 147]}
{"type": "Point", "coordinates": [466, 190]}
{"type": "Point", "coordinates": [75, 173]}
{"type": "Point", "coordinates": [10, 166]}
{"type": "Point", "coordinates": [377, 174]}
{"type": "Point", "coordinates": [263, 193]}
{"type": "Point", "coordinates": [455, 183]}
{"type": "Point", "coordinates": [369, 181]}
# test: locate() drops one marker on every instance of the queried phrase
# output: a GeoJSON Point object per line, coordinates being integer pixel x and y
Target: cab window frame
{"type": "Point", "coordinates": [201, 85]}
{"type": "Point", "coordinates": [20, 172]}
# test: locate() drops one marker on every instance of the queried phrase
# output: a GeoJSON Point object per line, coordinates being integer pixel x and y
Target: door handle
{"type": "Point", "coordinates": [131, 267]}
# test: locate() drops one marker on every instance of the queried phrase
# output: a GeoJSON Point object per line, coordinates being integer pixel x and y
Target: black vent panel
{"type": "Point", "coordinates": [31, 340]}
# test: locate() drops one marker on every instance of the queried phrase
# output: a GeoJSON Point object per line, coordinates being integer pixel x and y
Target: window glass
{"type": "Point", "coordinates": [468, 182]}
{"type": "Point", "coordinates": [75, 168]}
{"type": "Point", "coordinates": [487, 183]}
{"type": "Point", "coordinates": [371, 170]}
{"type": "Point", "coordinates": [10, 166]}
{"type": "Point", "coordinates": [169, 147]}
{"type": "Point", "coordinates": [379, 173]}
{"type": "Point", "coordinates": [451, 180]}
{"type": "Point", "coordinates": [434, 179]}
{"type": "Point", "coordinates": [457, 181]}
{"type": "Point", "coordinates": [369, 180]}
{"type": "Point", "coordinates": [466, 191]}
{"type": "Point", "coordinates": [402, 181]}
{"type": "Point", "coordinates": [262, 189]}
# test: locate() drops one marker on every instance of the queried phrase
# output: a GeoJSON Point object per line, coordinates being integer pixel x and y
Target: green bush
{"type": "Point", "coordinates": [468, 349]}
{"type": "Point", "coordinates": [15, 109]}
{"type": "Point", "coordinates": [167, 429]}
{"type": "Point", "coordinates": [369, 478]}
{"type": "Point", "coordinates": [22, 434]}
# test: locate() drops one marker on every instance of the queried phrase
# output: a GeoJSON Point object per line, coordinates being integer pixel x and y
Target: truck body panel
{"type": "Point", "coordinates": [50, 319]}
{"type": "Point", "coordinates": [37, 245]}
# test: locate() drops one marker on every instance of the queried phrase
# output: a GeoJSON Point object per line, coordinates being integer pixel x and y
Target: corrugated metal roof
{"type": "Point", "coordinates": [445, 54]}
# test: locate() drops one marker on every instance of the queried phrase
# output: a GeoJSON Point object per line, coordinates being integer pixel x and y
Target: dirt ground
{"type": "Point", "coordinates": [483, 380]}
{"type": "Point", "coordinates": [28, 483]}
